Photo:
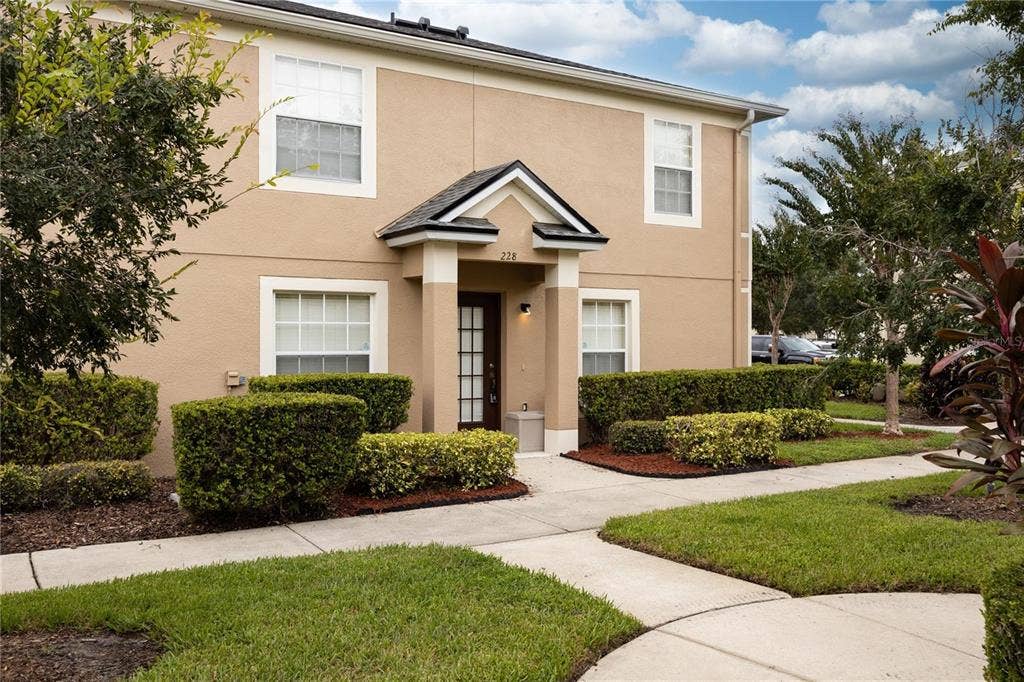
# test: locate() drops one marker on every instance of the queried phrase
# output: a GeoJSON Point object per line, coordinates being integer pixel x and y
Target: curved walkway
{"type": "Point", "coordinates": [843, 636]}
{"type": "Point", "coordinates": [705, 625]}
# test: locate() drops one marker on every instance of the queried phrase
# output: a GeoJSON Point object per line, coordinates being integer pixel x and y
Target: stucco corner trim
{"type": "Point", "coordinates": [378, 290]}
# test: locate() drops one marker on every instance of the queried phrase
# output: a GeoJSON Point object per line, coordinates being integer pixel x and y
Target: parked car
{"type": "Point", "coordinates": [793, 350]}
{"type": "Point", "coordinates": [826, 345]}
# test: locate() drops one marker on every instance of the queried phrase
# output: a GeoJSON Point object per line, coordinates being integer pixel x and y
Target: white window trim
{"type": "Point", "coordinates": [367, 186]}
{"type": "Point", "coordinates": [377, 289]}
{"type": "Point", "coordinates": [632, 299]}
{"type": "Point", "coordinates": [670, 219]}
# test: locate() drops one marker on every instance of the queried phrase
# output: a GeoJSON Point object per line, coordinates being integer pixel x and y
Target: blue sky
{"type": "Point", "coordinates": [820, 59]}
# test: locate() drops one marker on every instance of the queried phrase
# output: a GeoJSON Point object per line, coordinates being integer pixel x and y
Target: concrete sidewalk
{"type": "Point", "coordinates": [943, 428]}
{"type": "Point", "coordinates": [704, 625]}
{"type": "Point", "coordinates": [567, 496]}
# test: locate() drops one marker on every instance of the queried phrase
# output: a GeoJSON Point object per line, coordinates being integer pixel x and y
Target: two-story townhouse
{"type": "Point", "coordinates": [491, 222]}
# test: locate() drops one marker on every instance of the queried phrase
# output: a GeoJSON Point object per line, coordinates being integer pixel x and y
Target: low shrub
{"type": "Point", "coordinates": [609, 398]}
{"type": "Point", "coordinates": [724, 440]}
{"type": "Point", "coordinates": [1003, 594]}
{"type": "Point", "coordinates": [92, 417]}
{"type": "Point", "coordinates": [264, 455]}
{"type": "Point", "coordinates": [637, 436]}
{"type": "Point", "coordinates": [76, 484]}
{"type": "Point", "coordinates": [854, 378]}
{"type": "Point", "coordinates": [801, 423]}
{"type": "Point", "coordinates": [386, 396]}
{"type": "Point", "coordinates": [389, 464]}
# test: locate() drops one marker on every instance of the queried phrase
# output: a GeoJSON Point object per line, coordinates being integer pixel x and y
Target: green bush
{"type": "Point", "coordinates": [93, 417]}
{"type": "Point", "coordinates": [719, 440]}
{"type": "Point", "coordinates": [801, 423]}
{"type": "Point", "coordinates": [264, 455]}
{"type": "Point", "coordinates": [75, 484]}
{"type": "Point", "coordinates": [1003, 593]}
{"type": "Point", "coordinates": [854, 378]}
{"type": "Point", "coordinates": [609, 398]}
{"type": "Point", "coordinates": [397, 463]}
{"type": "Point", "coordinates": [637, 436]}
{"type": "Point", "coordinates": [386, 396]}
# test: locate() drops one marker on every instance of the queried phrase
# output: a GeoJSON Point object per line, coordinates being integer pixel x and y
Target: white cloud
{"type": "Point", "coordinates": [905, 51]}
{"type": "Point", "coordinates": [723, 47]}
{"type": "Point", "coordinates": [811, 106]}
{"type": "Point", "coordinates": [858, 16]}
{"type": "Point", "coordinates": [594, 30]}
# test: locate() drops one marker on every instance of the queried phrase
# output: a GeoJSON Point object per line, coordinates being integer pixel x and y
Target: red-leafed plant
{"type": "Point", "coordinates": [990, 404]}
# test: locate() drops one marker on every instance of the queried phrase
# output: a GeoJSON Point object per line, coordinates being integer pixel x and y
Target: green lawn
{"type": "Point", "coordinates": [839, 448]}
{"type": "Point", "coordinates": [845, 539]}
{"type": "Point", "coordinates": [391, 613]}
{"type": "Point", "coordinates": [851, 409]}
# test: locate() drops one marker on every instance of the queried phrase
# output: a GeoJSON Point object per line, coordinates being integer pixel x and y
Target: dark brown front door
{"type": "Point", "coordinates": [479, 365]}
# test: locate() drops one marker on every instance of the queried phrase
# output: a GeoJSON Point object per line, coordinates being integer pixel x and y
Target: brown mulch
{"type": "Point", "coordinates": [157, 517]}
{"type": "Point", "coordinates": [658, 465]}
{"type": "Point", "coordinates": [345, 504]}
{"type": "Point", "coordinates": [69, 654]}
{"type": "Point", "coordinates": [962, 508]}
{"type": "Point", "coordinates": [160, 517]}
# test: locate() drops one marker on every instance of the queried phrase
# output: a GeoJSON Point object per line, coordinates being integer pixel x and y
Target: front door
{"type": "Point", "coordinates": [479, 367]}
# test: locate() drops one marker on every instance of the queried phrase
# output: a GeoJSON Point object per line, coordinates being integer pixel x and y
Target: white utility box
{"type": "Point", "coordinates": [528, 427]}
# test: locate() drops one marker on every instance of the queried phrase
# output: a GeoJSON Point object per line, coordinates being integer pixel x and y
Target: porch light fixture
{"type": "Point", "coordinates": [524, 308]}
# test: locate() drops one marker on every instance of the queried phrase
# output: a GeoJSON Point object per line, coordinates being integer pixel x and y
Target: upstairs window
{"type": "Point", "coordinates": [319, 131]}
{"type": "Point", "coordinates": [673, 168]}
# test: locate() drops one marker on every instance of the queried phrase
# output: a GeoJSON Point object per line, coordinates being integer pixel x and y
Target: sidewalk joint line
{"type": "Point", "coordinates": [890, 625]}
{"type": "Point", "coordinates": [726, 607]}
{"type": "Point", "coordinates": [318, 547]}
{"type": "Point", "coordinates": [736, 655]}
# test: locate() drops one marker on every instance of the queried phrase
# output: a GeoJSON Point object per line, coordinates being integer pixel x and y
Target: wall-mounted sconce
{"type": "Point", "coordinates": [524, 308]}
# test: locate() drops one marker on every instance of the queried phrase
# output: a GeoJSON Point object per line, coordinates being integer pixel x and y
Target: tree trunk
{"type": "Point", "coordinates": [892, 390]}
{"type": "Point", "coordinates": [775, 342]}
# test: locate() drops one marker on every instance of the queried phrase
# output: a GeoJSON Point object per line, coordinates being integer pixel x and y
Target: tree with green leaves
{"type": "Point", "coordinates": [1003, 73]}
{"type": "Point", "coordinates": [783, 256]}
{"type": "Point", "coordinates": [868, 197]}
{"type": "Point", "coordinates": [107, 148]}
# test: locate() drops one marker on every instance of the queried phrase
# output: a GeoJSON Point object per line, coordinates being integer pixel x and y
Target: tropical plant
{"type": "Point", "coordinates": [991, 401]}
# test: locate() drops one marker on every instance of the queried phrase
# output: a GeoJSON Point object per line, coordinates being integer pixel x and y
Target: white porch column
{"type": "Point", "coordinates": [439, 383]}
{"type": "Point", "coordinates": [561, 313]}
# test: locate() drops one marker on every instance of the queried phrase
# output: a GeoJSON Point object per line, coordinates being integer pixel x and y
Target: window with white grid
{"type": "Point", "coordinates": [673, 168]}
{"type": "Point", "coordinates": [319, 131]}
{"type": "Point", "coordinates": [321, 332]}
{"type": "Point", "coordinates": [605, 336]}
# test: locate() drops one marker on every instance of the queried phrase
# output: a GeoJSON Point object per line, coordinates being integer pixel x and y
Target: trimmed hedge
{"type": "Point", "coordinates": [801, 423]}
{"type": "Point", "coordinates": [1003, 594]}
{"type": "Point", "coordinates": [609, 398]}
{"type": "Point", "coordinates": [386, 396]}
{"type": "Point", "coordinates": [637, 437]}
{"type": "Point", "coordinates": [724, 440]}
{"type": "Point", "coordinates": [76, 484]}
{"type": "Point", "coordinates": [58, 420]}
{"type": "Point", "coordinates": [854, 378]}
{"type": "Point", "coordinates": [397, 463]}
{"type": "Point", "coordinates": [264, 455]}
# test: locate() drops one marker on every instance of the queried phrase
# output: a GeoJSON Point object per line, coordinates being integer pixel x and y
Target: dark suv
{"type": "Point", "coordinates": [793, 350]}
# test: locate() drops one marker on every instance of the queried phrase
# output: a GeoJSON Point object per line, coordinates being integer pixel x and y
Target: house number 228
{"type": "Point", "coordinates": [508, 255]}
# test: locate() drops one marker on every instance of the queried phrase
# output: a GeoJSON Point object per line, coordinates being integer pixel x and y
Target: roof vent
{"type": "Point", "coordinates": [462, 32]}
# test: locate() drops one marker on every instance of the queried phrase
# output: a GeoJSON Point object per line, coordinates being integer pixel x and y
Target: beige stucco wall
{"type": "Point", "coordinates": [431, 130]}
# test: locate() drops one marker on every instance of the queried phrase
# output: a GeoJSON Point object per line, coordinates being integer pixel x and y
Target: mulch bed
{"type": "Point", "coordinates": [69, 654]}
{"type": "Point", "coordinates": [962, 508]}
{"type": "Point", "coordinates": [160, 517]}
{"type": "Point", "coordinates": [356, 505]}
{"type": "Point", "coordinates": [658, 465]}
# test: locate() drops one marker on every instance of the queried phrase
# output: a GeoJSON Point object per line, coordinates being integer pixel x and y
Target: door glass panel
{"type": "Point", "coordinates": [471, 363]}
